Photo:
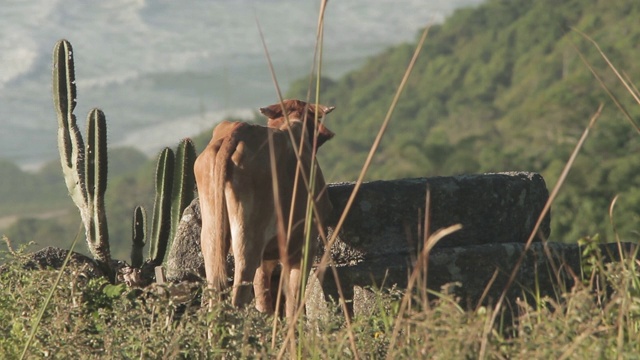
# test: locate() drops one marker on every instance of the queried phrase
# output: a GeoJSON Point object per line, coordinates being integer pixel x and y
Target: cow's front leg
{"type": "Point", "coordinates": [293, 295]}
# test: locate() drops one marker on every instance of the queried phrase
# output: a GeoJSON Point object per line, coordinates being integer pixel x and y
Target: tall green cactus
{"type": "Point", "coordinates": [85, 169]}
{"type": "Point", "coordinates": [183, 183]}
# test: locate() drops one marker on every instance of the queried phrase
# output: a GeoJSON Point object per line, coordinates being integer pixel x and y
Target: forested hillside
{"type": "Point", "coordinates": [500, 87]}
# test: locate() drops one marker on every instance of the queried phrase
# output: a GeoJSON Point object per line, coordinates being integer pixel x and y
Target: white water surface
{"type": "Point", "coordinates": [162, 70]}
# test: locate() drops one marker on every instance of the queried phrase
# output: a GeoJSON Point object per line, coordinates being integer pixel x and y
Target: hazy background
{"type": "Point", "coordinates": [163, 70]}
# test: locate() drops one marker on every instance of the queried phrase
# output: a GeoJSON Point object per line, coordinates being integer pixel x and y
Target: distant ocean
{"type": "Point", "coordinates": [163, 70]}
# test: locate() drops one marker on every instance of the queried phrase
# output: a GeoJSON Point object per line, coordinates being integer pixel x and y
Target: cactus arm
{"type": "Point", "coordinates": [96, 163]}
{"type": "Point", "coordinates": [139, 234]}
{"type": "Point", "coordinates": [70, 142]}
{"type": "Point", "coordinates": [183, 183]}
{"type": "Point", "coordinates": [161, 223]}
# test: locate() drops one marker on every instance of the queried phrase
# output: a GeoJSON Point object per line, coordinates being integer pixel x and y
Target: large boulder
{"type": "Point", "coordinates": [386, 217]}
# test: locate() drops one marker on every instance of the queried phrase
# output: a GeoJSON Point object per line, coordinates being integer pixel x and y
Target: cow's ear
{"type": "Point", "coordinates": [272, 111]}
{"type": "Point", "coordinates": [321, 110]}
{"type": "Point", "coordinates": [327, 109]}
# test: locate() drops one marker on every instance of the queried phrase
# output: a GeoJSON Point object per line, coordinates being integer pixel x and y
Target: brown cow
{"type": "Point", "coordinates": [236, 185]}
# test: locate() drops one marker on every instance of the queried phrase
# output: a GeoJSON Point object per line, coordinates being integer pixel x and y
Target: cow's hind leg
{"type": "Point", "coordinates": [248, 256]}
{"type": "Point", "coordinates": [246, 266]}
{"type": "Point", "coordinates": [262, 286]}
{"type": "Point", "coordinates": [246, 243]}
{"type": "Point", "coordinates": [296, 277]}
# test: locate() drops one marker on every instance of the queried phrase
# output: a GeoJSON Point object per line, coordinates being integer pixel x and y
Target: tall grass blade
{"type": "Point", "coordinates": [372, 151]}
{"type": "Point", "coordinates": [604, 86]}
{"type": "Point", "coordinates": [611, 221]}
{"type": "Point", "coordinates": [635, 88]}
{"type": "Point", "coordinates": [324, 262]}
{"type": "Point", "coordinates": [543, 213]}
{"type": "Point", "coordinates": [309, 187]}
{"type": "Point", "coordinates": [406, 300]}
{"type": "Point", "coordinates": [606, 58]}
{"type": "Point", "coordinates": [274, 78]}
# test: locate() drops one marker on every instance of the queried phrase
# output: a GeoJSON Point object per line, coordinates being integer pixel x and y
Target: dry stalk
{"type": "Point", "coordinates": [534, 232]}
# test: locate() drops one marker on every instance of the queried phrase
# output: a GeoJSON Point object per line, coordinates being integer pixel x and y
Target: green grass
{"type": "Point", "coordinates": [599, 318]}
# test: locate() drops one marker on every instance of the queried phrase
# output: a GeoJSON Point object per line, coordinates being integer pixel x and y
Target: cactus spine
{"type": "Point", "coordinates": [85, 169]}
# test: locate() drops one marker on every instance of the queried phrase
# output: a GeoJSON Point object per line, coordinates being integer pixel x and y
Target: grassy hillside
{"type": "Point", "coordinates": [502, 87]}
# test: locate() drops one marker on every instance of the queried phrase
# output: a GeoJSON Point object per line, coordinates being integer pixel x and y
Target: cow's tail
{"type": "Point", "coordinates": [221, 231]}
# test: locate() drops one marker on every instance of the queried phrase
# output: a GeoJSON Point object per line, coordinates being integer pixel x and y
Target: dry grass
{"type": "Point", "coordinates": [93, 319]}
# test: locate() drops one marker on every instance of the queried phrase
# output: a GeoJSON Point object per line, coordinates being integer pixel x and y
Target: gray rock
{"type": "Point", "coordinates": [386, 217]}
{"type": "Point", "coordinates": [184, 260]}
{"type": "Point", "coordinates": [544, 267]}
{"type": "Point", "coordinates": [53, 258]}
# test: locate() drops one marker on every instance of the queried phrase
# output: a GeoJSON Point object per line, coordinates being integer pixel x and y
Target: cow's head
{"type": "Point", "coordinates": [298, 110]}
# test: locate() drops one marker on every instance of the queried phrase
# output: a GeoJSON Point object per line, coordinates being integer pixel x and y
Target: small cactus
{"type": "Point", "coordinates": [161, 223]}
{"type": "Point", "coordinates": [139, 234]}
{"type": "Point", "coordinates": [84, 168]}
{"type": "Point", "coordinates": [174, 184]}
